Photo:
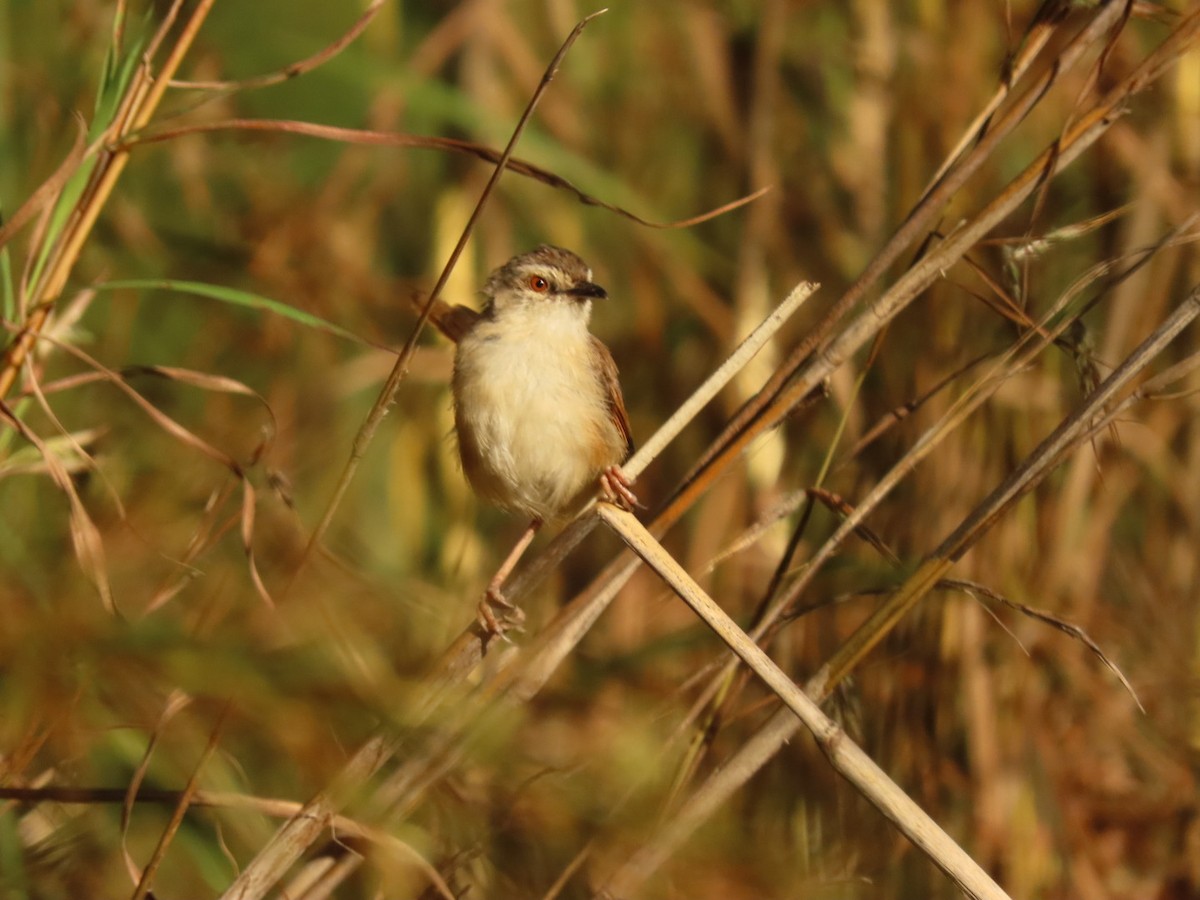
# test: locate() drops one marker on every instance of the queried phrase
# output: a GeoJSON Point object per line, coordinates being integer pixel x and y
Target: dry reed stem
{"type": "Point", "coordinates": [767, 741]}
{"type": "Point", "coordinates": [296, 835]}
{"type": "Point", "coordinates": [846, 757]}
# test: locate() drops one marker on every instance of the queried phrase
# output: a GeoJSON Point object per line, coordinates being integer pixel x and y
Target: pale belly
{"type": "Point", "coordinates": [533, 422]}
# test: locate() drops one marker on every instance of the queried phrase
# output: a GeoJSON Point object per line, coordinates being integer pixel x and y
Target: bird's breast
{"type": "Point", "coordinates": [531, 414]}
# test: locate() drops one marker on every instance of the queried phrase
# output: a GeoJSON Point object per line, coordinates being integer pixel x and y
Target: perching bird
{"type": "Point", "coordinates": [537, 405]}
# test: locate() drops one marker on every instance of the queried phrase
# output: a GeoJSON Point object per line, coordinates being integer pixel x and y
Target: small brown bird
{"type": "Point", "coordinates": [537, 406]}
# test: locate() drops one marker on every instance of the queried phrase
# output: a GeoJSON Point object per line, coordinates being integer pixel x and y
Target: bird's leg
{"type": "Point", "coordinates": [494, 599]}
{"type": "Point", "coordinates": [616, 487]}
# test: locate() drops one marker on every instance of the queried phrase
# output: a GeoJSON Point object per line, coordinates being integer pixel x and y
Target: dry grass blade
{"type": "Point", "coordinates": [48, 189]}
{"type": "Point", "coordinates": [175, 703]}
{"type": "Point", "coordinates": [296, 69]}
{"type": "Point", "coordinates": [143, 887]}
{"type": "Point", "coordinates": [979, 591]}
{"type": "Point", "coordinates": [85, 537]}
{"type": "Point", "coordinates": [248, 508]}
{"type": "Point", "coordinates": [845, 756]}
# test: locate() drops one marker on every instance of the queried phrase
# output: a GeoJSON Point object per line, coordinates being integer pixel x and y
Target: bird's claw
{"type": "Point", "coordinates": [616, 487]}
{"type": "Point", "coordinates": [510, 617]}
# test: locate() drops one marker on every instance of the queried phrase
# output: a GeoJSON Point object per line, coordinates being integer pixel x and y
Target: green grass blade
{"type": "Point", "coordinates": [234, 297]}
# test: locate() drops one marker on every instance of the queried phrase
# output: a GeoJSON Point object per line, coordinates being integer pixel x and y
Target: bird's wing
{"type": "Point", "coordinates": [452, 321]}
{"type": "Point", "coordinates": [612, 389]}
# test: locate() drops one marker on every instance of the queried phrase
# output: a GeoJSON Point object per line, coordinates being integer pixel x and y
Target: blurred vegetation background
{"type": "Point", "coordinates": [1011, 733]}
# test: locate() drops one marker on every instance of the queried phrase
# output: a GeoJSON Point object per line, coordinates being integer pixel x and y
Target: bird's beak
{"type": "Point", "coordinates": [586, 290]}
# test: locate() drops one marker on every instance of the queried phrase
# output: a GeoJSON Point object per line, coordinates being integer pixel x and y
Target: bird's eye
{"type": "Point", "coordinates": [539, 284]}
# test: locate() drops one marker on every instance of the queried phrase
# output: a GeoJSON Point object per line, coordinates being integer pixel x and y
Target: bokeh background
{"type": "Point", "coordinates": [1011, 733]}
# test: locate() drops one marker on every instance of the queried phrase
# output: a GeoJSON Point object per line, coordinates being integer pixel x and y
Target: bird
{"type": "Point", "coordinates": [539, 417]}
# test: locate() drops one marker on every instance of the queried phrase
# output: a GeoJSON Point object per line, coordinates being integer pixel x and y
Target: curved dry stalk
{"type": "Point", "coordinates": [980, 591]}
{"type": "Point", "coordinates": [292, 70]}
{"type": "Point", "coordinates": [431, 142]}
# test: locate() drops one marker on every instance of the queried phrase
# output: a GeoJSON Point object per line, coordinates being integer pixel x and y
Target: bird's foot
{"type": "Point", "coordinates": [616, 488]}
{"type": "Point", "coordinates": [496, 616]}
